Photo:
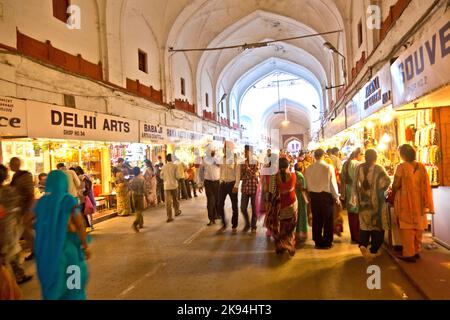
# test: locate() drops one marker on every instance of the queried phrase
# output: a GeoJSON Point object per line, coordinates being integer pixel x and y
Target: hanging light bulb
{"type": "Point", "coordinates": [286, 121]}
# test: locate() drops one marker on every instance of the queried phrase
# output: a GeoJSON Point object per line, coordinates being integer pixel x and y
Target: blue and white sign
{"type": "Point", "coordinates": [425, 66]}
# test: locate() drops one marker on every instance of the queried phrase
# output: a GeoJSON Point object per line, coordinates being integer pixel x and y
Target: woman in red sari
{"type": "Point", "coordinates": [281, 219]}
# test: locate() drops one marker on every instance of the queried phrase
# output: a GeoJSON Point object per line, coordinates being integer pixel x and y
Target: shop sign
{"type": "Point", "coordinates": [13, 119]}
{"type": "Point", "coordinates": [424, 66]}
{"type": "Point", "coordinates": [376, 94]}
{"type": "Point", "coordinates": [219, 138]}
{"type": "Point", "coordinates": [174, 134]}
{"type": "Point", "coordinates": [335, 126]}
{"type": "Point", "coordinates": [50, 121]}
{"type": "Point", "coordinates": [152, 133]}
{"type": "Point", "coordinates": [352, 112]}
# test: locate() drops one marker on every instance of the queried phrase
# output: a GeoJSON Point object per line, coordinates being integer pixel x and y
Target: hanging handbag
{"type": "Point", "coordinates": [390, 197]}
{"type": "Point", "coordinates": [88, 206]}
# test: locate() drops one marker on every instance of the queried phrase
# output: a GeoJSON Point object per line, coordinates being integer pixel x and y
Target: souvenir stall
{"type": "Point", "coordinates": [80, 138]}
{"type": "Point", "coordinates": [14, 142]}
{"type": "Point", "coordinates": [418, 128]}
{"type": "Point", "coordinates": [154, 136]}
{"type": "Point", "coordinates": [422, 103]}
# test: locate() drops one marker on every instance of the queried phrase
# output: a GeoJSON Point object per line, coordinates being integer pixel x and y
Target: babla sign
{"type": "Point", "coordinates": [12, 117]}
{"type": "Point", "coordinates": [49, 121]}
{"type": "Point", "coordinates": [152, 133]}
{"type": "Point", "coordinates": [425, 66]}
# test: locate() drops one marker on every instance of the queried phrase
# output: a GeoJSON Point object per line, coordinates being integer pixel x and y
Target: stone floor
{"type": "Point", "coordinates": [188, 260]}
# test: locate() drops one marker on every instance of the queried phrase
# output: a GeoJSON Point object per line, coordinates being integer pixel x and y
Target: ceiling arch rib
{"type": "Point", "coordinates": [296, 112]}
{"type": "Point", "coordinates": [270, 66]}
{"type": "Point", "coordinates": [250, 29]}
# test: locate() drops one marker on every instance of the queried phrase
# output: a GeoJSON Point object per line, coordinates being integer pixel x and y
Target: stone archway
{"type": "Point", "coordinates": [293, 137]}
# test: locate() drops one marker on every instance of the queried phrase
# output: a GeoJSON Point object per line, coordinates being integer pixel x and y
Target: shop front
{"type": "Point", "coordinates": [367, 122]}
{"type": "Point", "coordinates": [154, 136]}
{"type": "Point", "coordinates": [50, 134]}
{"type": "Point", "coordinates": [185, 145]}
{"type": "Point", "coordinates": [421, 91]}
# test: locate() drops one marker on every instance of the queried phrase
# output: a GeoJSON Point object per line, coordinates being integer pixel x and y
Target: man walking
{"type": "Point", "coordinates": [337, 162]}
{"type": "Point", "coordinates": [249, 172]}
{"type": "Point", "coordinates": [209, 178]}
{"type": "Point", "coordinates": [322, 186]}
{"type": "Point", "coordinates": [169, 173]}
{"type": "Point", "coordinates": [22, 181]}
{"type": "Point", "coordinates": [159, 180]}
{"type": "Point", "coordinates": [229, 186]}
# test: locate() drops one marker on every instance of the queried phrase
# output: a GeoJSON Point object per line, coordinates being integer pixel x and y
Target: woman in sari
{"type": "Point", "coordinates": [413, 201]}
{"type": "Point", "coordinates": [61, 246]}
{"type": "Point", "coordinates": [347, 179]}
{"type": "Point", "coordinates": [137, 186]}
{"type": "Point", "coordinates": [370, 184]}
{"type": "Point", "coordinates": [300, 188]}
{"type": "Point", "coordinates": [123, 195]}
{"type": "Point", "coordinates": [150, 184]}
{"type": "Point", "coordinates": [282, 217]}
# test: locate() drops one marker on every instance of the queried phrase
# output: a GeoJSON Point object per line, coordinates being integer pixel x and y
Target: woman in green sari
{"type": "Point", "coordinates": [370, 184]}
{"type": "Point", "coordinates": [302, 222]}
{"type": "Point", "coordinates": [347, 178]}
{"type": "Point", "coordinates": [61, 246]}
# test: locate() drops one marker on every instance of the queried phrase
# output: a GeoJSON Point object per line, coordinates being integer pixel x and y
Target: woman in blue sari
{"type": "Point", "coordinates": [61, 246]}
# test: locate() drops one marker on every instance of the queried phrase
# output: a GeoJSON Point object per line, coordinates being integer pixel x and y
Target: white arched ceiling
{"type": "Point", "coordinates": [257, 27]}
{"type": "Point", "coordinates": [270, 66]}
{"type": "Point", "coordinates": [220, 23]}
{"type": "Point", "coordinates": [296, 112]}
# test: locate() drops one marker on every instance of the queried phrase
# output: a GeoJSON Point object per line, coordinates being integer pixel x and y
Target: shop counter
{"type": "Point", "coordinates": [111, 200]}
{"type": "Point", "coordinates": [441, 218]}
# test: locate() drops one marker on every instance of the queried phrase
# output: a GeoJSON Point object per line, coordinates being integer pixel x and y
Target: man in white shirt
{"type": "Point", "coordinates": [322, 186]}
{"type": "Point", "coordinates": [170, 175]}
{"type": "Point", "coordinates": [209, 178]}
{"type": "Point", "coordinates": [74, 181]}
{"type": "Point", "coordinates": [337, 162]}
{"type": "Point", "coordinates": [229, 186]}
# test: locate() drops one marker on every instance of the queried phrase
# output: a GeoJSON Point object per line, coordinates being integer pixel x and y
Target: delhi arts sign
{"type": "Point", "coordinates": [425, 66]}
{"type": "Point", "coordinates": [55, 122]}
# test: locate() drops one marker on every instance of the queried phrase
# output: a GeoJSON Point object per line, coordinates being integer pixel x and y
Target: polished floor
{"type": "Point", "coordinates": [188, 260]}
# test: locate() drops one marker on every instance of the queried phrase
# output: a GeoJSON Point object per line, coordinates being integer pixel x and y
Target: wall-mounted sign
{"type": "Point", "coordinates": [152, 133]}
{"type": "Point", "coordinates": [50, 121]}
{"type": "Point", "coordinates": [176, 135]}
{"type": "Point", "coordinates": [352, 112]}
{"type": "Point", "coordinates": [13, 117]}
{"type": "Point", "coordinates": [335, 126]}
{"type": "Point", "coordinates": [376, 94]}
{"type": "Point", "coordinates": [424, 66]}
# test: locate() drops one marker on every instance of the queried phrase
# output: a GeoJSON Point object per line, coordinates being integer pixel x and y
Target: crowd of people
{"type": "Point", "coordinates": [51, 219]}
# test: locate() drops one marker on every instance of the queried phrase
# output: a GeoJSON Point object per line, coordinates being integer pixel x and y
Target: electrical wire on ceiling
{"type": "Point", "coordinates": [254, 45]}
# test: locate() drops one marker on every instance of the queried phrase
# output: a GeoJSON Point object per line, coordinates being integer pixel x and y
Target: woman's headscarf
{"type": "Point", "coordinates": [53, 211]}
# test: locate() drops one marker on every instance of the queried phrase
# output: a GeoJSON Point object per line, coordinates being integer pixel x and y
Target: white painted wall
{"type": "Point", "coordinates": [181, 69]}
{"type": "Point", "coordinates": [358, 14]}
{"type": "Point", "coordinates": [206, 87]}
{"type": "Point", "coordinates": [8, 23]}
{"type": "Point", "coordinates": [139, 35]}
{"type": "Point", "coordinates": [35, 19]}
